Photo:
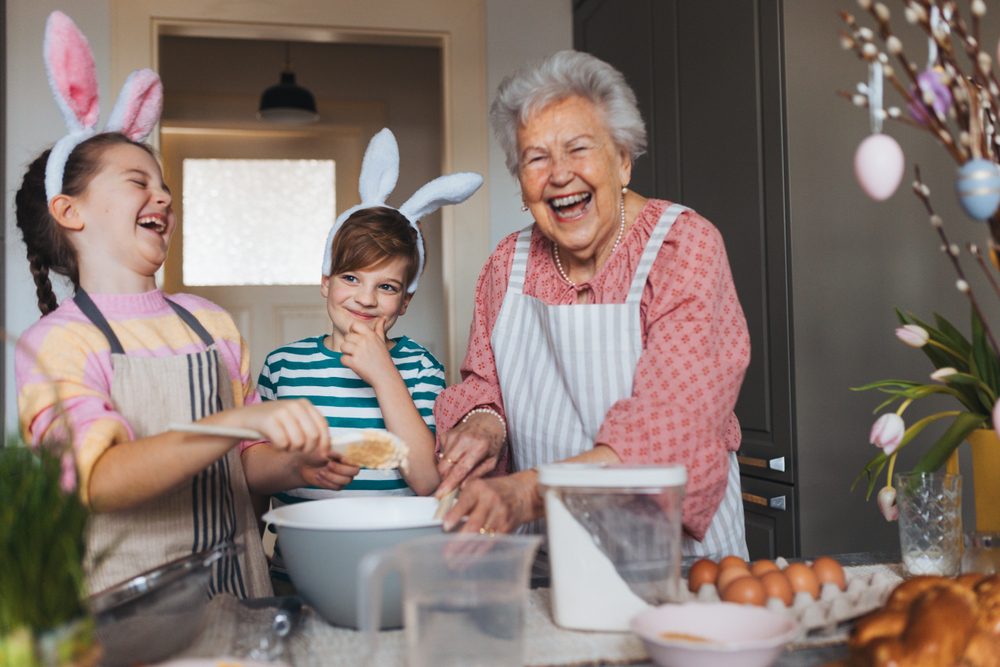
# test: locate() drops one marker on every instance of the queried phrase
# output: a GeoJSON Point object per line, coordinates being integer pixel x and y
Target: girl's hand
{"type": "Point", "coordinates": [470, 450]}
{"type": "Point", "coordinates": [326, 471]}
{"type": "Point", "coordinates": [295, 425]}
{"type": "Point", "coordinates": [365, 352]}
{"type": "Point", "coordinates": [496, 505]}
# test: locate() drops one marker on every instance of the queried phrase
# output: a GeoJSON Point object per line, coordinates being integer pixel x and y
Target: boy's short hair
{"type": "Point", "coordinates": [373, 236]}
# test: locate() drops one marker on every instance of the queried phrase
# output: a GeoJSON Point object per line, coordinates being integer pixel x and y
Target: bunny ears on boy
{"type": "Point", "coordinates": [379, 172]}
{"type": "Point", "coordinates": [69, 64]}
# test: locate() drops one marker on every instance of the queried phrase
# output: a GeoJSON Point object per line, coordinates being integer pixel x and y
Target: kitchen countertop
{"type": "Point", "coordinates": [233, 624]}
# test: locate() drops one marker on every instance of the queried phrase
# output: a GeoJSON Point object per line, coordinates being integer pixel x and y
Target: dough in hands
{"type": "Point", "coordinates": [371, 448]}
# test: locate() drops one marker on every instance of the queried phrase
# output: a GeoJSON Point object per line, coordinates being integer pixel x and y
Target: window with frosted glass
{"type": "Point", "coordinates": [256, 222]}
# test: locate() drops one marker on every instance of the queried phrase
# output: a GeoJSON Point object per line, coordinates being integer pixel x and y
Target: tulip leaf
{"type": "Point", "coordinates": [935, 457]}
{"type": "Point", "coordinates": [983, 359]}
{"type": "Point", "coordinates": [955, 339]}
{"type": "Point", "coordinates": [887, 383]}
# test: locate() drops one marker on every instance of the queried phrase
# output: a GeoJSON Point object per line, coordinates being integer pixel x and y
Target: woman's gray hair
{"type": "Point", "coordinates": [559, 76]}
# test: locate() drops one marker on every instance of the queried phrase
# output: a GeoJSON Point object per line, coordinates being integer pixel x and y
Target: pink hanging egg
{"type": "Point", "coordinates": [878, 166]}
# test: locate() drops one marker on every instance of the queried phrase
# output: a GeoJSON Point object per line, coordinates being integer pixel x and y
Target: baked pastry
{"type": "Point", "coordinates": [932, 622]}
{"type": "Point", "coordinates": [371, 448]}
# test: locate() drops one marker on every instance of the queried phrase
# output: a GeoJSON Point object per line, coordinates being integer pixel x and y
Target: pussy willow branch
{"type": "Point", "coordinates": [983, 78]}
{"type": "Point", "coordinates": [923, 193]}
{"type": "Point", "coordinates": [975, 252]}
{"type": "Point", "coordinates": [937, 126]}
{"type": "Point", "coordinates": [863, 104]}
{"type": "Point", "coordinates": [862, 41]}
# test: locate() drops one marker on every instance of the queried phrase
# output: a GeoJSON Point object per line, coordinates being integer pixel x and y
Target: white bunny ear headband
{"type": "Point", "coordinates": [72, 75]}
{"type": "Point", "coordinates": [379, 171]}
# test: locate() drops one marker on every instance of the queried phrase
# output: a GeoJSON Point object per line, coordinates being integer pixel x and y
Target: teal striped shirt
{"type": "Point", "coordinates": [308, 369]}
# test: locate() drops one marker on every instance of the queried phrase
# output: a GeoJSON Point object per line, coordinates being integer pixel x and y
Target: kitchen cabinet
{"type": "Point", "coordinates": [709, 78]}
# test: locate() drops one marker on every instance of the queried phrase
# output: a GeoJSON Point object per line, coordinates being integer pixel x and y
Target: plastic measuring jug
{"type": "Point", "coordinates": [464, 598]}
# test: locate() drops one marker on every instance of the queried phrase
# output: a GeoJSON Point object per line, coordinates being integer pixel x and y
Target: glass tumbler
{"type": "Point", "coordinates": [930, 522]}
{"type": "Point", "coordinates": [982, 553]}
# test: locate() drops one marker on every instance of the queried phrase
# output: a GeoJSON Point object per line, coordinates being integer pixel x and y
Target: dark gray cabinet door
{"type": "Point", "coordinates": [708, 75]}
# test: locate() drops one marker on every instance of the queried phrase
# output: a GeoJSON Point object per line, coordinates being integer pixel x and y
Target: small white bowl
{"type": "Point", "coordinates": [733, 634]}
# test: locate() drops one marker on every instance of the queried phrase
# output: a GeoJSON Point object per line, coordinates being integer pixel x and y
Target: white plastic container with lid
{"type": "Point", "coordinates": [614, 537]}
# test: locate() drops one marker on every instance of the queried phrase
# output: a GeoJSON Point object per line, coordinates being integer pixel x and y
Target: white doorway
{"type": "Point", "coordinates": [457, 27]}
{"type": "Point", "coordinates": [212, 88]}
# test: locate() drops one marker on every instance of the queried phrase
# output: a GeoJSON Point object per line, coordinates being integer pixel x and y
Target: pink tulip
{"type": "Point", "coordinates": [887, 432]}
{"type": "Point", "coordinates": [913, 335]}
{"type": "Point", "coordinates": [67, 481]}
{"type": "Point", "coordinates": [887, 503]}
{"type": "Point", "coordinates": [996, 416]}
{"type": "Point", "coordinates": [942, 374]}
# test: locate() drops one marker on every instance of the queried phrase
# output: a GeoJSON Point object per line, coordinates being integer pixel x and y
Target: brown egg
{"type": "Point", "coordinates": [726, 577]}
{"type": "Point", "coordinates": [745, 590]}
{"type": "Point", "coordinates": [828, 571]}
{"type": "Point", "coordinates": [759, 567]}
{"type": "Point", "coordinates": [704, 571]}
{"type": "Point", "coordinates": [802, 578]}
{"type": "Point", "coordinates": [776, 585]}
{"type": "Point", "coordinates": [733, 561]}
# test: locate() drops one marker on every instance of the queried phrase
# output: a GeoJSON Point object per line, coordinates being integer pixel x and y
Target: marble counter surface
{"type": "Point", "coordinates": [233, 627]}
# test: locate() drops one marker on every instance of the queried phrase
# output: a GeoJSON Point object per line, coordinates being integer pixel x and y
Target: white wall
{"type": "Point", "coordinates": [518, 31]}
{"type": "Point", "coordinates": [853, 261]}
{"type": "Point", "coordinates": [34, 124]}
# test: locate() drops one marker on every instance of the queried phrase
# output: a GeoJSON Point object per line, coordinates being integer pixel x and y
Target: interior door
{"type": "Point", "coordinates": [273, 314]}
{"type": "Point", "coordinates": [709, 79]}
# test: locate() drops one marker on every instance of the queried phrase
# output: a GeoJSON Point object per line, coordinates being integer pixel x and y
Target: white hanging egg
{"type": "Point", "coordinates": [978, 188]}
{"type": "Point", "coordinates": [878, 166]}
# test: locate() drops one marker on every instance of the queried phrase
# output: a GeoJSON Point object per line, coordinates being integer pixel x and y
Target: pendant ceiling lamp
{"type": "Point", "coordinates": [287, 102]}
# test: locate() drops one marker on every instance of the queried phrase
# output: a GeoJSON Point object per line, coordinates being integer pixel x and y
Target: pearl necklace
{"type": "Point", "coordinates": [621, 232]}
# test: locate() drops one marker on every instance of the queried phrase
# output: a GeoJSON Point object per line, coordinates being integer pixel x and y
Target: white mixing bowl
{"type": "Point", "coordinates": [323, 541]}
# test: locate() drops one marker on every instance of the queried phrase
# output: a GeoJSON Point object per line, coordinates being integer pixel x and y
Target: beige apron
{"type": "Point", "coordinates": [211, 509]}
{"type": "Point", "coordinates": [562, 367]}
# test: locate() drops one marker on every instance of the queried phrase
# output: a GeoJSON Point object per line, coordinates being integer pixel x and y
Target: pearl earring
{"type": "Point", "coordinates": [624, 189]}
{"type": "Point", "coordinates": [524, 207]}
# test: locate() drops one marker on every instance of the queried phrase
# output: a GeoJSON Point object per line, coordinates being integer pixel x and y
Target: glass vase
{"type": "Point", "coordinates": [930, 522]}
{"type": "Point", "coordinates": [982, 553]}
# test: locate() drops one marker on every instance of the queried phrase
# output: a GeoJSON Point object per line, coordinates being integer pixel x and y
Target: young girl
{"type": "Point", "coordinates": [355, 375]}
{"type": "Point", "coordinates": [111, 367]}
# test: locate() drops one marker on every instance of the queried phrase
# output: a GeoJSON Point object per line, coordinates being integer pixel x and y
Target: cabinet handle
{"type": "Point", "coordinates": [753, 462]}
{"type": "Point", "coordinates": [776, 503]}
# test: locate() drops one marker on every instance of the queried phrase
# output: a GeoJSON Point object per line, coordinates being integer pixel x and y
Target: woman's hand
{"type": "Point", "coordinates": [469, 451]}
{"type": "Point", "coordinates": [364, 352]}
{"type": "Point", "coordinates": [326, 471]}
{"type": "Point", "coordinates": [496, 505]}
{"type": "Point", "coordinates": [295, 424]}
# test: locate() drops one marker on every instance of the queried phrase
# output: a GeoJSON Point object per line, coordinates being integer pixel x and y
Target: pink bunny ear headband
{"type": "Point", "coordinates": [72, 75]}
{"type": "Point", "coordinates": [379, 172]}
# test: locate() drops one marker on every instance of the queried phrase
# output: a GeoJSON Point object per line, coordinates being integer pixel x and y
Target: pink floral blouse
{"type": "Point", "coordinates": [696, 348]}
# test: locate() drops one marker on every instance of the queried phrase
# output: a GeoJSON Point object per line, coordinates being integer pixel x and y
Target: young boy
{"type": "Point", "coordinates": [354, 374]}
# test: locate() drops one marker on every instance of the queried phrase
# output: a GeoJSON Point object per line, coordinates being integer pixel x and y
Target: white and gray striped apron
{"type": "Point", "coordinates": [562, 367]}
{"type": "Point", "coordinates": [211, 509]}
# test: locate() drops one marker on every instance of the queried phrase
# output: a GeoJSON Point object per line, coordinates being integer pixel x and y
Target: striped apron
{"type": "Point", "coordinates": [562, 367]}
{"type": "Point", "coordinates": [211, 509]}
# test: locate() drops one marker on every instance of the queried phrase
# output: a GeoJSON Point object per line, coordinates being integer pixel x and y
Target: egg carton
{"type": "Point", "coordinates": [867, 589]}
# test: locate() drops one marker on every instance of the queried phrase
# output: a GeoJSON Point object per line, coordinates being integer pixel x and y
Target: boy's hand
{"type": "Point", "coordinates": [365, 352]}
{"type": "Point", "coordinates": [326, 471]}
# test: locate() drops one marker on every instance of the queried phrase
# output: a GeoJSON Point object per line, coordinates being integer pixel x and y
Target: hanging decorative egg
{"type": "Point", "coordinates": [978, 188]}
{"type": "Point", "coordinates": [932, 89]}
{"type": "Point", "coordinates": [878, 166]}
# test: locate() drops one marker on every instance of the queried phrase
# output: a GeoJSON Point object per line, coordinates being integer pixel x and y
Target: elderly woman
{"type": "Point", "coordinates": [609, 331]}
